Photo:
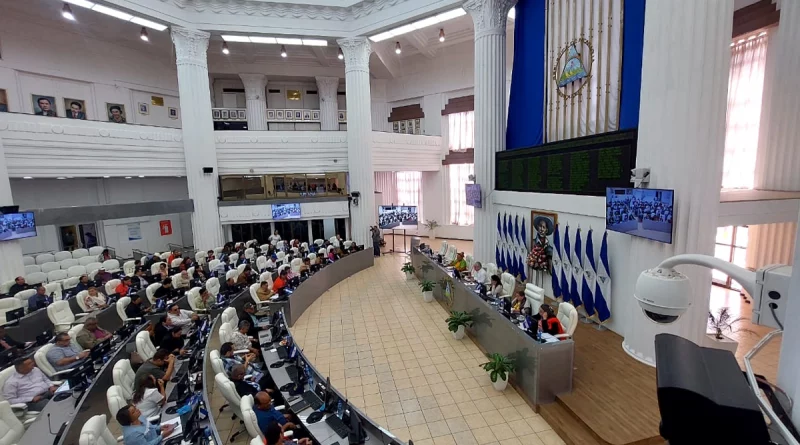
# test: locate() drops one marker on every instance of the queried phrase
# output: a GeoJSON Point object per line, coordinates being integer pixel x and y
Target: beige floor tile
{"type": "Point", "coordinates": [396, 421]}
{"type": "Point", "coordinates": [424, 442]}
{"type": "Point", "coordinates": [550, 438]}
{"type": "Point", "coordinates": [438, 428]}
{"type": "Point", "coordinates": [419, 432]}
{"type": "Point", "coordinates": [444, 440]}
{"type": "Point", "coordinates": [521, 428]}
{"type": "Point", "coordinates": [483, 435]}
{"type": "Point", "coordinates": [457, 425]}
{"type": "Point", "coordinates": [432, 414]}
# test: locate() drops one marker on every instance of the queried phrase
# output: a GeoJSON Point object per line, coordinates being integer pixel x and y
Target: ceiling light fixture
{"type": "Point", "coordinates": [285, 41]}
{"type": "Point", "coordinates": [141, 176]}
{"type": "Point", "coordinates": [143, 34]}
{"type": "Point", "coordinates": [61, 177]}
{"type": "Point", "coordinates": [397, 49]}
{"type": "Point", "coordinates": [112, 12]}
{"type": "Point", "coordinates": [340, 54]}
{"type": "Point", "coordinates": [256, 39]}
{"type": "Point", "coordinates": [228, 38]}
{"type": "Point", "coordinates": [283, 51]}
{"type": "Point", "coordinates": [225, 49]}
{"type": "Point", "coordinates": [149, 24]}
{"type": "Point", "coordinates": [27, 177]}
{"type": "Point", "coordinates": [315, 42]}
{"type": "Point", "coordinates": [106, 177]}
{"type": "Point", "coordinates": [128, 177]}
{"type": "Point", "coordinates": [424, 23]}
{"type": "Point", "coordinates": [66, 12]}
{"type": "Point", "coordinates": [81, 3]}
{"type": "Point", "coordinates": [441, 34]}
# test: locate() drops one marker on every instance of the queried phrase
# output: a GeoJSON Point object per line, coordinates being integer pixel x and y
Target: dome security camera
{"type": "Point", "coordinates": [663, 294]}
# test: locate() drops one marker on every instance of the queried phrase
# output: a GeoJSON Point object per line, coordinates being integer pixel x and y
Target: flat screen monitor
{"type": "Point", "coordinates": [473, 195]}
{"type": "Point", "coordinates": [285, 211]}
{"type": "Point", "coordinates": [646, 213]}
{"type": "Point", "coordinates": [17, 225]}
{"type": "Point", "coordinates": [397, 217]}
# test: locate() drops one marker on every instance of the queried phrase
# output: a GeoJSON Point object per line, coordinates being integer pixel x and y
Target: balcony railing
{"type": "Point", "coordinates": [273, 115]}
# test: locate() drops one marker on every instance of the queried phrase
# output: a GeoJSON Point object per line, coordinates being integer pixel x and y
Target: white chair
{"type": "Point", "coordinates": [261, 263]}
{"type": "Point", "coordinates": [254, 295]}
{"type": "Point", "coordinates": [264, 248]}
{"type": "Point", "coordinates": [333, 240]}
{"type": "Point", "coordinates": [60, 315]}
{"type": "Point", "coordinates": [73, 336]}
{"type": "Point", "coordinates": [155, 267]}
{"type": "Point", "coordinates": [8, 304]}
{"type": "Point", "coordinates": [443, 248]}
{"type": "Point", "coordinates": [228, 390]}
{"type": "Point", "coordinates": [49, 267]}
{"type": "Point", "coordinates": [128, 268]}
{"type": "Point", "coordinates": [81, 299]}
{"type": "Point", "coordinates": [79, 253]}
{"type": "Point", "coordinates": [111, 266]}
{"type": "Point", "coordinates": [144, 346]}
{"type": "Point", "coordinates": [451, 254]}
{"type": "Point", "coordinates": [295, 251]}
{"type": "Point", "coordinates": [491, 269]}
{"type": "Point", "coordinates": [40, 357]}
{"type": "Point", "coordinates": [178, 282]}
{"type": "Point", "coordinates": [295, 265]}
{"type": "Point", "coordinates": [249, 253]}
{"type": "Point", "coordinates": [233, 259]}
{"type": "Point", "coordinates": [20, 409]}
{"type": "Point", "coordinates": [470, 261]}
{"type": "Point", "coordinates": [266, 276]}
{"type": "Point", "coordinates": [96, 250]}
{"type": "Point", "coordinates": [280, 245]}
{"type": "Point", "coordinates": [54, 289]}
{"type": "Point", "coordinates": [76, 271]}
{"type": "Point", "coordinates": [250, 243]}
{"type": "Point", "coordinates": [281, 257]}
{"type": "Point", "coordinates": [216, 362]}
{"type": "Point", "coordinates": [63, 255]}
{"type": "Point", "coordinates": [283, 267]}
{"type": "Point", "coordinates": [240, 269]}
{"type": "Point", "coordinates": [233, 273]}
{"type": "Point", "coordinates": [11, 428]}
{"type": "Point", "coordinates": [95, 432]}
{"type": "Point", "coordinates": [111, 286]}
{"type": "Point", "coordinates": [32, 269]}
{"type": "Point", "coordinates": [124, 377]}
{"type": "Point", "coordinates": [347, 245]}
{"type": "Point", "coordinates": [5, 288]}
{"type": "Point", "coordinates": [304, 246]}
{"type": "Point", "coordinates": [218, 250]}
{"type": "Point", "coordinates": [201, 258]}
{"type": "Point", "coordinates": [249, 417]}
{"type": "Point", "coordinates": [568, 316]}
{"type": "Point", "coordinates": [230, 317]}
{"type": "Point", "coordinates": [191, 296]}
{"type": "Point", "coordinates": [319, 242]}
{"type": "Point", "coordinates": [212, 284]}
{"type": "Point", "coordinates": [57, 275]}
{"type": "Point", "coordinates": [45, 258]}
{"type": "Point", "coordinates": [225, 333]}
{"type": "Point", "coordinates": [330, 249]}
{"type": "Point", "coordinates": [28, 261]}
{"type": "Point", "coordinates": [70, 283]}
{"type": "Point", "coordinates": [23, 296]}
{"type": "Point", "coordinates": [312, 257]}
{"type": "Point", "coordinates": [123, 303]}
{"type": "Point", "coordinates": [86, 260]}
{"type": "Point", "coordinates": [176, 263]}
{"type": "Point", "coordinates": [115, 396]}
{"type": "Point", "coordinates": [69, 262]}
{"type": "Point", "coordinates": [508, 281]}
{"type": "Point", "coordinates": [534, 296]}
{"type": "Point", "coordinates": [190, 271]}
{"type": "Point", "coordinates": [214, 265]}
{"type": "Point", "coordinates": [93, 267]}
{"type": "Point", "coordinates": [150, 291]}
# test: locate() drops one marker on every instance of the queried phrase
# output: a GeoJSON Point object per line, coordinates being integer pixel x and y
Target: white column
{"type": "Point", "coordinates": [198, 135]}
{"type": "Point", "coordinates": [11, 265]}
{"type": "Point", "coordinates": [681, 138]}
{"type": "Point", "coordinates": [490, 18]}
{"type": "Point", "coordinates": [328, 89]}
{"type": "Point", "coordinates": [359, 136]}
{"type": "Point", "coordinates": [255, 86]}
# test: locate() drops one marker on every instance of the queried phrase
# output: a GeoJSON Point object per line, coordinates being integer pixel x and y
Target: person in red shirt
{"type": "Point", "coordinates": [123, 287]}
{"type": "Point", "coordinates": [280, 281]}
{"type": "Point", "coordinates": [548, 320]}
{"type": "Point", "coordinates": [172, 256]}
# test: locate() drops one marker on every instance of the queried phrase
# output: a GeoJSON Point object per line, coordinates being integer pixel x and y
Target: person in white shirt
{"type": "Point", "coordinates": [28, 385]}
{"type": "Point", "coordinates": [149, 396]}
{"type": "Point", "coordinates": [94, 300]}
{"type": "Point", "coordinates": [240, 339]}
{"type": "Point", "coordinates": [274, 237]}
{"type": "Point", "coordinates": [478, 273]}
{"type": "Point", "coordinates": [496, 287]}
{"type": "Point", "coordinates": [181, 317]}
{"type": "Point", "coordinates": [271, 264]}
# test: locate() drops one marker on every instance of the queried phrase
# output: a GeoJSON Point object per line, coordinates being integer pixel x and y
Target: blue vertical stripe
{"type": "Point", "coordinates": [527, 100]}
{"type": "Point", "coordinates": [632, 49]}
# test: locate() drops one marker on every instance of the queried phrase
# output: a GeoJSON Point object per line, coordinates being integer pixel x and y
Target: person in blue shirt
{"type": "Point", "coordinates": [39, 300]}
{"type": "Point", "coordinates": [266, 413]}
{"type": "Point", "coordinates": [136, 430]}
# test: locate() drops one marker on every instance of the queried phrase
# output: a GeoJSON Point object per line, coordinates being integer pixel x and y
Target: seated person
{"type": "Point", "coordinates": [185, 281]}
{"type": "Point", "coordinates": [136, 430]}
{"type": "Point", "coordinates": [305, 268]}
{"type": "Point", "coordinates": [280, 281]}
{"type": "Point", "coordinates": [264, 293]}
{"type": "Point", "coordinates": [229, 360]}
{"type": "Point", "coordinates": [161, 366]}
{"type": "Point", "coordinates": [203, 300]}
{"type": "Point", "coordinates": [163, 272]}
{"type": "Point", "coordinates": [518, 303]}
{"type": "Point", "coordinates": [267, 414]}
{"type": "Point", "coordinates": [186, 264]}
{"type": "Point", "coordinates": [102, 277]}
{"type": "Point", "coordinates": [209, 256]}
{"type": "Point", "coordinates": [274, 436]}
{"type": "Point", "coordinates": [548, 320]}
{"type": "Point", "coordinates": [149, 397]}
{"type": "Point", "coordinates": [181, 317]}
{"type": "Point", "coordinates": [331, 256]}
{"type": "Point", "coordinates": [28, 384]}
{"type": "Point", "coordinates": [161, 329]}
{"type": "Point", "coordinates": [140, 279]}
{"type": "Point", "coordinates": [123, 287]}
{"type": "Point", "coordinates": [165, 291]}
{"type": "Point", "coordinates": [241, 340]}
{"type": "Point", "coordinates": [134, 309]}
{"type": "Point", "coordinates": [18, 286]}
{"type": "Point", "coordinates": [495, 287]}
{"type": "Point", "coordinates": [173, 341]}
{"type": "Point", "coordinates": [63, 355]}
{"type": "Point", "coordinates": [94, 300]}
{"type": "Point", "coordinates": [459, 264]}
{"type": "Point", "coordinates": [84, 283]}
{"type": "Point", "coordinates": [91, 334]}
{"type": "Point", "coordinates": [7, 342]}
{"type": "Point", "coordinates": [228, 287]}
{"type": "Point", "coordinates": [248, 313]}
{"type": "Point", "coordinates": [272, 262]}
{"type": "Point", "coordinates": [245, 277]}
{"type": "Point", "coordinates": [243, 387]}
{"type": "Point", "coordinates": [478, 272]}
{"type": "Point", "coordinates": [39, 300]}
{"type": "Point", "coordinates": [199, 277]}
{"type": "Point", "coordinates": [173, 255]}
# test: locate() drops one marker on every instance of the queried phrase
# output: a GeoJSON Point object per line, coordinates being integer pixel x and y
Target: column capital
{"type": "Point", "coordinates": [489, 16]}
{"type": "Point", "coordinates": [327, 86]}
{"type": "Point", "coordinates": [356, 53]}
{"type": "Point", "coordinates": [191, 46]}
{"type": "Point", "coordinates": [254, 85]}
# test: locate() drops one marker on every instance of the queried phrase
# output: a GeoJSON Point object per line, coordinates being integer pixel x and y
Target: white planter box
{"type": "Point", "coordinates": [500, 385]}
{"type": "Point", "coordinates": [409, 276]}
{"type": "Point", "coordinates": [427, 296]}
{"type": "Point", "coordinates": [459, 333]}
{"type": "Point", "coordinates": [726, 343]}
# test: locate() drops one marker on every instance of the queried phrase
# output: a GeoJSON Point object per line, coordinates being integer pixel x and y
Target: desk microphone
{"type": "Point", "coordinates": [50, 425]}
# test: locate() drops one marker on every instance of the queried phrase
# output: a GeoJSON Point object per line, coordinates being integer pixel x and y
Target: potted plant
{"type": "Point", "coordinates": [409, 270]}
{"type": "Point", "coordinates": [456, 323]}
{"type": "Point", "coordinates": [718, 324]}
{"type": "Point", "coordinates": [427, 290]}
{"type": "Point", "coordinates": [499, 367]}
{"type": "Point", "coordinates": [431, 225]}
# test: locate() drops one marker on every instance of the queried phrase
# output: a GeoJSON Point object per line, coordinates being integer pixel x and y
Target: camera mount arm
{"type": "Point", "coordinates": [742, 276]}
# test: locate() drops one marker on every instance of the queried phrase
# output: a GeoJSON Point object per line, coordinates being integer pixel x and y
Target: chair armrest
{"type": "Point", "coordinates": [241, 351]}
{"type": "Point", "coordinates": [57, 382]}
{"type": "Point", "coordinates": [80, 314]}
{"type": "Point", "coordinates": [280, 407]}
{"type": "Point", "coordinates": [562, 336]}
{"type": "Point", "coordinates": [133, 319]}
{"type": "Point", "coordinates": [19, 406]}
{"type": "Point", "coordinates": [64, 371]}
{"type": "Point", "coordinates": [28, 422]}
{"type": "Point", "coordinates": [288, 433]}
{"type": "Point", "coordinates": [155, 418]}
{"type": "Point", "coordinates": [120, 439]}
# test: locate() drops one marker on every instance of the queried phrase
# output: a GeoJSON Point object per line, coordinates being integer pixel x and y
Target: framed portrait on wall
{"type": "Point", "coordinates": [289, 115]}
{"type": "Point", "coordinates": [3, 101]}
{"type": "Point", "coordinates": [279, 115]}
{"type": "Point", "coordinates": [215, 114]}
{"type": "Point", "coordinates": [144, 108]}
{"type": "Point", "coordinates": [270, 114]}
{"type": "Point", "coordinates": [402, 126]}
{"type": "Point", "coordinates": [395, 127]}
{"type": "Point", "coordinates": [342, 116]}
{"type": "Point", "coordinates": [172, 112]}
{"type": "Point", "coordinates": [116, 113]}
{"type": "Point", "coordinates": [543, 226]}
{"type": "Point", "coordinates": [315, 115]}
{"type": "Point", "coordinates": [242, 114]}
{"type": "Point", "coordinates": [306, 115]}
{"type": "Point", "coordinates": [44, 105]}
{"type": "Point", "coordinates": [224, 114]}
{"type": "Point", "coordinates": [298, 115]}
{"type": "Point", "coordinates": [76, 108]}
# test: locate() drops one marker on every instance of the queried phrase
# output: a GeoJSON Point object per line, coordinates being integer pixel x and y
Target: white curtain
{"type": "Point", "coordinates": [745, 91]}
{"type": "Point", "coordinates": [400, 188]}
{"type": "Point", "coordinates": [461, 134]}
{"type": "Point", "coordinates": [386, 183]}
{"type": "Point", "coordinates": [457, 176]}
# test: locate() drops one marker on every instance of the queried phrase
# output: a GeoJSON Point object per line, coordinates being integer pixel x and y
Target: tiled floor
{"type": "Point", "coordinates": [393, 356]}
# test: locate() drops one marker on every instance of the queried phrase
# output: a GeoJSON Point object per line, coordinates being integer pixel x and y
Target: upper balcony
{"type": "Point", "coordinates": [278, 119]}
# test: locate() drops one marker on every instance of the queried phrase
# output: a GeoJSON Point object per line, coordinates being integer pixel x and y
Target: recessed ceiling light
{"type": "Point", "coordinates": [112, 12]}
{"type": "Point", "coordinates": [315, 42]}
{"type": "Point", "coordinates": [66, 12]}
{"type": "Point", "coordinates": [256, 39]}
{"type": "Point", "coordinates": [225, 49]}
{"type": "Point", "coordinates": [128, 177]}
{"type": "Point", "coordinates": [61, 177]}
{"type": "Point", "coordinates": [441, 34]}
{"type": "Point", "coordinates": [285, 41]}
{"type": "Point", "coordinates": [236, 38]}
{"type": "Point", "coordinates": [340, 54]}
{"type": "Point", "coordinates": [106, 177]}
{"type": "Point", "coordinates": [141, 176]}
{"type": "Point", "coordinates": [27, 177]}
{"type": "Point", "coordinates": [143, 35]}
{"type": "Point", "coordinates": [397, 49]}
{"type": "Point", "coordinates": [148, 23]}
{"type": "Point", "coordinates": [283, 51]}
{"type": "Point", "coordinates": [81, 3]}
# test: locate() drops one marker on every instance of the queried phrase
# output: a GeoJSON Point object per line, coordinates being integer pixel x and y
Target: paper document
{"type": "Point", "coordinates": [178, 428]}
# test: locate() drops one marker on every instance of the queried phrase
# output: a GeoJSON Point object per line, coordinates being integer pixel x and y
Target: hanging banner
{"type": "Point", "coordinates": [134, 232]}
{"type": "Point", "coordinates": [166, 227]}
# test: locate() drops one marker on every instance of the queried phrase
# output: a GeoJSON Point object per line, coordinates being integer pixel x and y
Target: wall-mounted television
{"type": "Point", "coordinates": [646, 213]}
{"type": "Point", "coordinates": [397, 217]}
{"type": "Point", "coordinates": [17, 225]}
{"type": "Point", "coordinates": [285, 211]}
{"type": "Point", "coordinates": [473, 195]}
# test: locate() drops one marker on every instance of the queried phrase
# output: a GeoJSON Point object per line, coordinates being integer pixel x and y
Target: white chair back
{"type": "Point", "coordinates": [568, 316]}
{"type": "Point", "coordinates": [69, 262]}
{"type": "Point", "coordinates": [200, 258]}
{"type": "Point", "coordinates": [8, 304]}
{"type": "Point", "coordinates": [95, 432]}
{"type": "Point", "coordinates": [150, 291]}
{"type": "Point", "coordinates": [233, 273]}
{"type": "Point", "coordinates": [5, 288]}
{"type": "Point", "coordinates": [122, 304]}
{"type": "Point", "coordinates": [63, 255]}
{"type": "Point", "coordinates": [228, 390]}
{"type": "Point", "coordinates": [73, 335]}
{"type": "Point", "coordinates": [79, 253]}
{"type": "Point", "coordinates": [264, 248]}
{"type": "Point", "coordinates": [128, 268]}
{"type": "Point", "coordinates": [213, 265]}
{"type": "Point", "coordinates": [76, 271]}
{"type": "Point", "coordinates": [217, 250]}
{"type": "Point", "coordinates": [240, 269]}
{"type": "Point", "coordinates": [176, 263]}
{"type": "Point", "coordinates": [261, 263]}
{"type": "Point", "coordinates": [111, 286]}
{"type": "Point", "coordinates": [49, 267]}
{"type": "Point", "coordinates": [28, 261]}
{"type": "Point", "coordinates": [212, 284]}
{"type": "Point", "coordinates": [111, 265]}
{"type": "Point", "coordinates": [6, 373]}
{"type": "Point", "coordinates": [81, 299]}
{"type": "Point", "coordinates": [295, 251]}
{"type": "Point", "coordinates": [280, 245]}
{"type": "Point", "coordinates": [295, 264]}
{"type": "Point", "coordinates": [191, 296]}
{"type": "Point", "coordinates": [191, 272]}
{"type": "Point", "coordinates": [319, 242]}
{"type": "Point", "coordinates": [93, 267]}
{"type": "Point", "coordinates": [144, 346]}
{"type": "Point", "coordinates": [508, 282]}
{"type": "Point", "coordinates": [443, 248]}
{"type": "Point", "coordinates": [233, 259]}
{"type": "Point", "coordinates": [154, 268]}
{"type": "Point", "coordinates": [230, 317]}
{"type": "Point", "coordinates": [253, 291]}
{"type": "Point", "coordinates": [216, 362]}
{"type": "Point", "coordinates": [10, 425]}
{"type": "Point", "coordinates": [54, 289]}
{"type": "Point", "coordinates": [312, 257]}
{"type": "Point", "coordinates": [470, 261]}
{"type": "Point", "coordinates": [32, 269]}
{"type": "Point", "coordinates": [249, 417]}
{"type": "Point", "coordinates": [491, 269]}
{"type": "Point", "coordinates": [96, 250]}
{"type": "Point", "coordinates": [451, 254]}
{"type": "Point", "coordinates": [23, 296]}
{"type": "Point", "coordinates": [115, 396]}
{"type": "Point", "coordinates": [282, 268]}
{"type": "Point", "coordinates": [225, 333]}
{"type": "Point", "coordinates": [56, 275]}
{"type": "Point", "coordinates": [40, 357]}
{"type": "Point", "coordinates": [60, 315]}
{"type": "Point", "coordinates": [249, 253]}
{"type": "Point", "coordinates": [124, 378]}
{"type": "Point", "coordinates": [45, 258]}
{"type": "Point", "coordinates": [70, 283]}
{"type": "Point", "coordinates": [266, 276]}
{"type": "Point", "coordinates": [347, 245]}
{"type": "Point", "coordinates": [281, 257]}
{"type": "Point", "coordinates": [86, 260]}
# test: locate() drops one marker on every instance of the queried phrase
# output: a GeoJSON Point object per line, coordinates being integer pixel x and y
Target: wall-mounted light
{"type": "Point", "coordinates": [225, 49]}
{"type": "Point", "coordinates": [283, 51]}
{"type": "Point", "coordinates": [441, 34]}
{"type": "Point", "coordinates": [143, 35]}
{"type": "Point", "coordinates": [397, 49]}
{"type": "Point", "coordinates": [66, 12]}
{"type": "Point", "coordinates": [340, 54]}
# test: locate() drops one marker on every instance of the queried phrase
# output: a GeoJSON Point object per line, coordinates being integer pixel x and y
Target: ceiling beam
{"type": "Point", "coordinates": [418, 40]}
{"type": "Point", "coordinates": [320, 54]}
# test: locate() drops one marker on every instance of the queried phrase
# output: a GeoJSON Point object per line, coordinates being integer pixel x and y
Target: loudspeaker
{"type": "Point", "coordinates": [208, 169]}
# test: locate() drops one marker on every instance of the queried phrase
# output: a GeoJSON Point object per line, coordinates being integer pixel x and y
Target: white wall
{"type": "Point", "coordinates": [116, 234]}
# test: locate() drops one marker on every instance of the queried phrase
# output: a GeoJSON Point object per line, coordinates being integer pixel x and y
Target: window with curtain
{"type": "Point", "coordinates": [409, 187]}
{"type": "Point", "coordinates": [458, 176]}
{"type": "Point", "coordinates": [462, 130]}
{"type": "Point", "coordinates": [745, 89]}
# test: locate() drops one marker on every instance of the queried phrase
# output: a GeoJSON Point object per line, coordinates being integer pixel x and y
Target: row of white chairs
{"type": "Point", "coordinates": [62, 255]}
{"type": "Point", "coordinates": [67, 264]}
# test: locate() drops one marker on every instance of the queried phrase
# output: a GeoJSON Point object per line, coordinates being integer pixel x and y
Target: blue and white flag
{"type": "Point", "coordinates": [499, 229]}
{"type": "Point", "coordinates": [523, 264]}
{"type": "Point", "coordinates": [602, 292]}
{"type": "Point", "coordinates": [509, 263]}
{"type": "Point", "coordinates": [566, 267]}
{"type": "Point", "coordinates": [505, 227]}
{"type": "Point", "coordinates": [524, 235]}
{"type": "Point", "coordinates": [516, 229]}
{"type": "Point", "coordinates": [577, 271]}
{"type": "Point", "coordinates": [501, 261]}
{"type": "Point", "coordinates": [589, 276]}
{"type": "Point", "coordinates": [497, 254]}
{"type": "Point", "coordinates": [556, 263]}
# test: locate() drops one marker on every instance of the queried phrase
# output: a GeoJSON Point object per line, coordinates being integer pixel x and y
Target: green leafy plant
{"type": "Point", "coordinates": [725, 321]}
{"type": "Point", "coordinates": [457, 319]}
{"type": "Point", "coordinates": [498, 366]}
{"type": "Point", "coordinates": [431, 224]}
{"type": "Point", "coordinates": [427, 285]}
{"type": "Point", "coordinates": [408, 268]}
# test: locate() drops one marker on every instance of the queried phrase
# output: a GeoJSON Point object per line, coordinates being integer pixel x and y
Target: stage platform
{"type": "Point", "coordinates": [613, 399]}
